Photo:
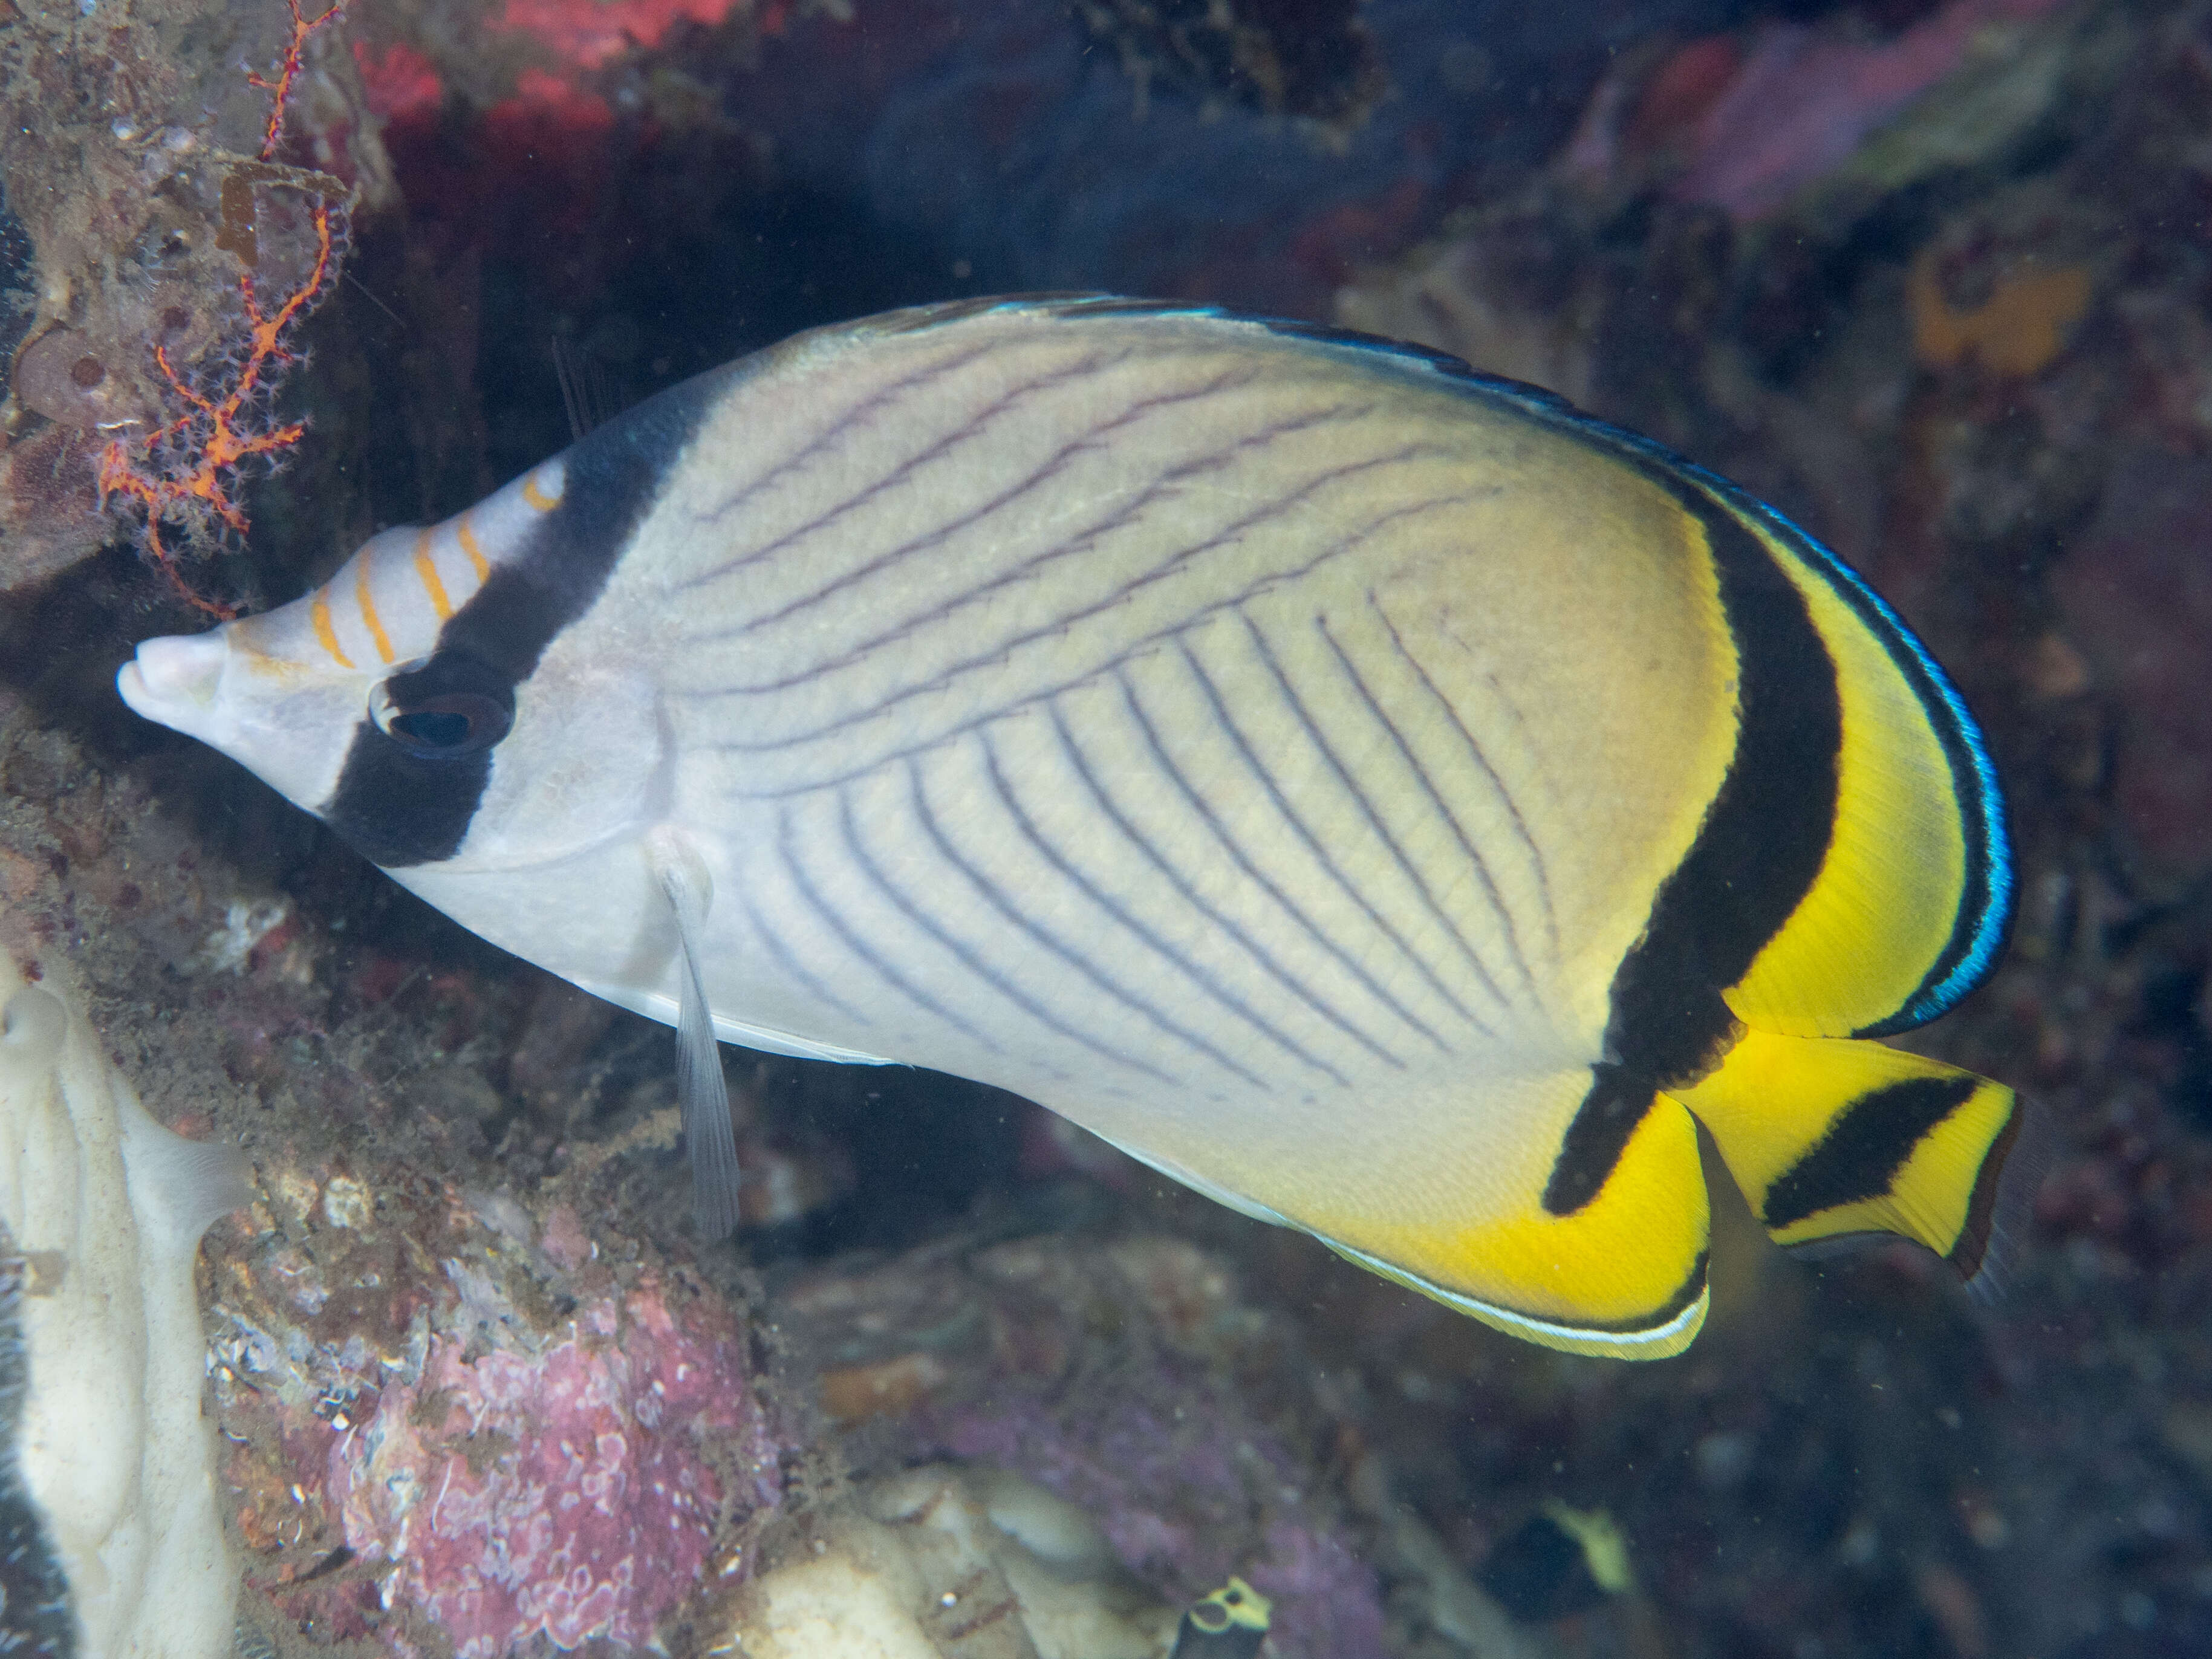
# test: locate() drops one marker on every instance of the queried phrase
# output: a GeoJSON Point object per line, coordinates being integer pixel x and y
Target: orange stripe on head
{"type": "Point", "coordinates": [328, 635]}
{"type": "Point", "coordinates": [537, 497]}
{"type": "Point", "coordinates": [476, 553]}
{"type": "Point", "coordinates": [368, 606]}
{"type": "Point", "coordinates": [426, 572]}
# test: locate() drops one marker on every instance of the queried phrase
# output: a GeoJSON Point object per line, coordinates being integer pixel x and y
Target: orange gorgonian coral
{"type": "Point", "coordinates": [185, 472]}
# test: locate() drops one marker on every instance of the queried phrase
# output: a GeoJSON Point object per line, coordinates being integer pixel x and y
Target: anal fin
{"type": "Point", "coordinates": [1832, 1137]}
{"type": "Point", "coordinates": [1610, 1262]}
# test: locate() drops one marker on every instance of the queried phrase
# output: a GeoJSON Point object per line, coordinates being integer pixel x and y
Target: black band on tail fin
{"type": "Point", "coordinates": [1868, 1143]}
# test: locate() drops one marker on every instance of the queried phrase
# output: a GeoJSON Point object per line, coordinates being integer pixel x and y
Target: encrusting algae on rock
{"type": "Point", "coordinates": [459, 1425]}
{"type": "Point", "coordinates": [598, 1512]}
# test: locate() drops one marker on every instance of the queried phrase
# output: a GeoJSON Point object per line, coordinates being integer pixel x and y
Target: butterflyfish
{"type": "Point", "coordinates": [1377, 795]}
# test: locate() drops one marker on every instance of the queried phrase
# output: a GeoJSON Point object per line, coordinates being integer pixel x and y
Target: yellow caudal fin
{"type": "Point", "coordinates": [1832, 1137]}
{"type": "Point", "coordinates": [1596, 1247]}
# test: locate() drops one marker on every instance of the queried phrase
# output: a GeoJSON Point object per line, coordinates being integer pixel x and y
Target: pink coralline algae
{"type": "Point", "coordinates": [574, 1493]}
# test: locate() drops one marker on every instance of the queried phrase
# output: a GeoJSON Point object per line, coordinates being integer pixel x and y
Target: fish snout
{"type": "Point", "coordinates": [173, 676]}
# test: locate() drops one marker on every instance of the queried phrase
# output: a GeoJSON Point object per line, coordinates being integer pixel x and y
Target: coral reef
{"type": "Point", "coordinates": [186, 469]}
{"type": "Point", "coordinates": [2018, 330]}
{"type": "Point", "coordinates": [1799, 105]}
{"type": "Point", "coordinates": [1300, 59]}
{"type": "Point", "coordinates": [1755, 124]}
{"type": "Point", "coordinates": [399, 1358]}
{"type": "Point", "coordinates": [102, 1209]}
{"type": "Point", "coordinates": [2143, 617]}
{"type": "Point", "coordinates": [1967, 349]}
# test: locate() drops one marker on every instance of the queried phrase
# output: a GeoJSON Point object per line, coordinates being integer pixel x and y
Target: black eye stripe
{"type": "Point", "coordinates": [420, 759]}
{"type": "Point", "coordinates": [397, 807]}
{"type": "Point", "coordinates": [404, 798]}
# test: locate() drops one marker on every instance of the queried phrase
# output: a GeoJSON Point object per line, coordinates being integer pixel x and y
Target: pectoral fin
{"type": "Point", "coordinates": [701, 1091]}
{"type": "Point", "coordinates": [1834, 1137]}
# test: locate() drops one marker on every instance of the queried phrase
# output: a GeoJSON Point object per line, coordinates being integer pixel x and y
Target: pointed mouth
{"type": "Point", "coordinates": [175, 680]}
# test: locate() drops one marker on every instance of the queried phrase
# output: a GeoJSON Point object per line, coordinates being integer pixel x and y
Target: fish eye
{"type": "Point", "coordinates": [443, 710]}
{"type": "Point", "coordinates": [459, 724]}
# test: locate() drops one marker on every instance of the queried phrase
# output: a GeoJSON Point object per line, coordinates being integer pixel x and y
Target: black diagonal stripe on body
{"type": "Point", "coordinates": [1596, 1137]}
{"type": "Point", "coordinates": [1865, 1146]}
{"type": "Point", "coordinates": [398, 808]}
{"type": "Point", "coordinates": [1757, 855]}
